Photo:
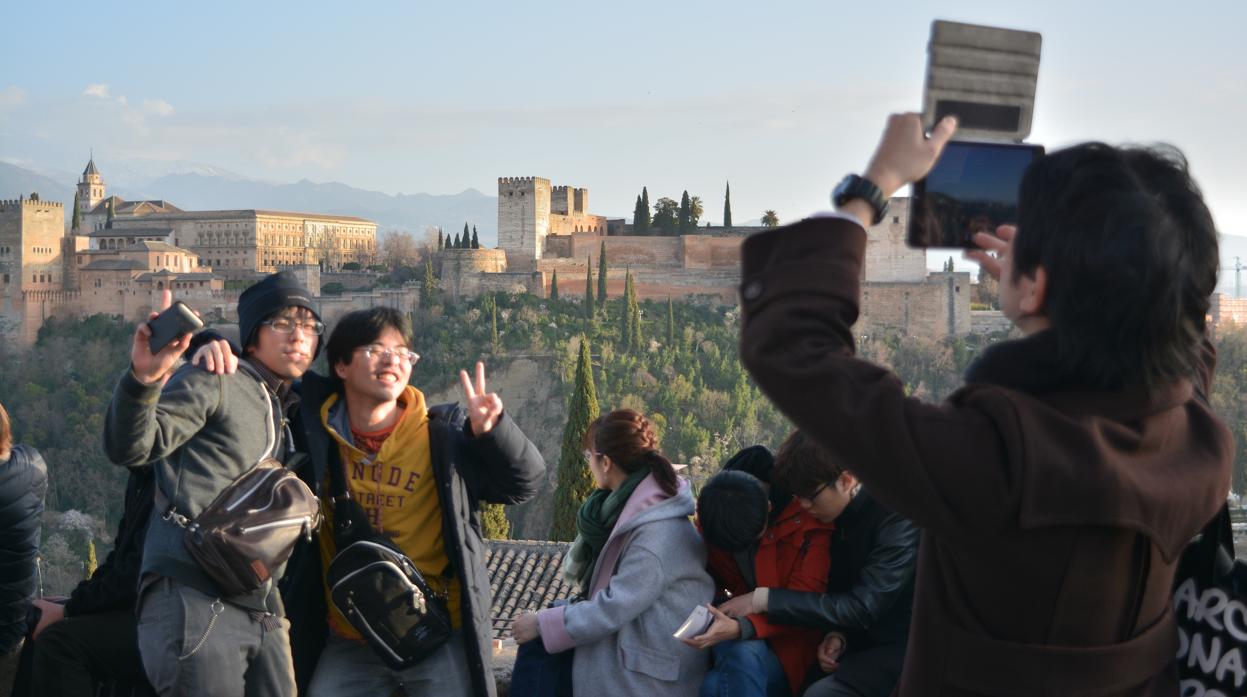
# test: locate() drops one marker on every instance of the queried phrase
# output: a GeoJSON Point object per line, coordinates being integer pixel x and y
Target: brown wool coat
{"type": "Point", "coordinates": [1052, 516]}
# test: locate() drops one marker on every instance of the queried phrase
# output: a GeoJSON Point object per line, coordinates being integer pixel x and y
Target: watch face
{"type": "Point", "coordinates": [842, 189]}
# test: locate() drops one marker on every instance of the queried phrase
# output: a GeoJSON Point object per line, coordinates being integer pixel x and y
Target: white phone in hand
{"type": "Point", "coordinates": [698, 622]}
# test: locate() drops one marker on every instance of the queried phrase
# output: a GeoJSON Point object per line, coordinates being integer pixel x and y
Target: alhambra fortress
{"type": "Point", "coordinates": [124, 253]}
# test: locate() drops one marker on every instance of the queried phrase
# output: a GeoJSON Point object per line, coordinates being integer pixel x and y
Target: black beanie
{"type": "Point", "coordinates": [268, 296]}
{"type": "Point", "coordinates": [731, 508]}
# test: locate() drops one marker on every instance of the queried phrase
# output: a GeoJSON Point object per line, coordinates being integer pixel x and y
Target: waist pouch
{"type": "Point", "coordinates": [251, 527]}
{"type": "Point", "coordinates": [382, 593]}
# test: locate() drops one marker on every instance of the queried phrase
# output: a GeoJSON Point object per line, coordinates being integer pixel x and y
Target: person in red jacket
{"type": "Point", "coordinates": [757, 534]}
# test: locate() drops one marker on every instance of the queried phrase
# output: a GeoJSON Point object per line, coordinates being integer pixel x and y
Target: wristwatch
{"type": "Point", "coordinates": [853, 186]}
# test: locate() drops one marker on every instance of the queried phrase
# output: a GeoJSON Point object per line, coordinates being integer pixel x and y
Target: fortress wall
{"type": "Point", "coordinates": [711, 251]}
{"type": "Point", "coordinates": [937, 307]}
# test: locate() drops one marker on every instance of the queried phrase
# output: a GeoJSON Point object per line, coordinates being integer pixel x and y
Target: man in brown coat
{"type": "Point", "coordinates": [1057, 489]}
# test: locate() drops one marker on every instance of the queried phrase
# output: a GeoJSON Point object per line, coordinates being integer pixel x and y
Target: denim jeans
{"type": "Point", "coordinates": [194, 644]}
{"type": "Point", "coordinates": [745, 669]}
{"type": "Point", "coordinates": [541, 674]}
{"type": "Point", "coordinates": [352, 668]}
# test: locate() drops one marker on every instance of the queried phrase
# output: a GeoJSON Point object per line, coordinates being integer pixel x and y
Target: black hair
{"type": "Point", "coordinates": [629, 439]}
{"type": "Point", "coordinates": [803, 466]}
{"type": "Point", "coordinates": [732, 510]}
{"type": "Point", "coordinates": [1130, 252]}
{"type": "Point", "coordinates": [360, 328]}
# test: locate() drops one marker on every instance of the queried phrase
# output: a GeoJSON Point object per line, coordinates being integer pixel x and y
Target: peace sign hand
{"type": "Point", "coordinates": [484, 408]}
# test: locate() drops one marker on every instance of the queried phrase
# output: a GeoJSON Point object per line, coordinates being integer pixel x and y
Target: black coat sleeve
{"type": "Point", "coordinates": [887, 574]}
{"type": "Point", "coordinates": [114, 585]}
{"type": "Point", "coordinates": [502, 466]}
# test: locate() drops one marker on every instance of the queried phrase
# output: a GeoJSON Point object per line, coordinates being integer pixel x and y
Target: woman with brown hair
{"type": "Point", "coordinates": [23, 483]}
{"type": "Point", "coordinates": [640, 566]}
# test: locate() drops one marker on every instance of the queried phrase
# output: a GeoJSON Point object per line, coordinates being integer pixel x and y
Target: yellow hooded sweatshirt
{"type": "Point", "coordinates": [399, 493]}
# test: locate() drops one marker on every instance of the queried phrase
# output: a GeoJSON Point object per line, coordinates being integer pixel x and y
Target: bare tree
{"type": "Point", "coordinates": [399, 248]}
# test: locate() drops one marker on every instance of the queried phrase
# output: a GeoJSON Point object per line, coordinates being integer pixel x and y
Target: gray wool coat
{"type": "Point", "coordinates": [649, 577]}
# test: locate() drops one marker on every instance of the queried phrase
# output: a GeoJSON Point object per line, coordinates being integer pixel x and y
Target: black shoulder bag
{"type": "Point", "coordinates": [378, 588]}
{"type": "Point", "coordinates": [1210, 599]}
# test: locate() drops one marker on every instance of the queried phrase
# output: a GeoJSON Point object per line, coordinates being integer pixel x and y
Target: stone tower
{"type": "Point", "coordinates": [523, 219]}
{"type": "Point", "coordinates": [90, 189]}
{"type": "Point", "coordinates": [31, 262]}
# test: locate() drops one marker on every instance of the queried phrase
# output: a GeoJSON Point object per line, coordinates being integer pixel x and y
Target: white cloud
{"type": "Point", "coordinates": [157, 107]}
{"type": "Point", "coordinates": [97, 90]}
{"type": "Point", "coordinates": [11, 97]}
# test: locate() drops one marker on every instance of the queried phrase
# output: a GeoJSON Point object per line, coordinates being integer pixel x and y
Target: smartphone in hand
{"type": "Point", "coordinates": [170, 324]}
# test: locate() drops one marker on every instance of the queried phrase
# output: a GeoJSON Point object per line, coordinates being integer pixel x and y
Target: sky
{"type": "Point", "coordinates": [780, 98]}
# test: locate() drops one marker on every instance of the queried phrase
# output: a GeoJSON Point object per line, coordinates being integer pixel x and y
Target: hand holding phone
{"type": "Point", "coordinates": [152, 355]}
{"type": "Point", "coordinates": [176, 320]}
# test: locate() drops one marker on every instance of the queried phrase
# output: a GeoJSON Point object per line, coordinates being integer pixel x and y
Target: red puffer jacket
{"type": "Point", "coordinates": [794, 553]}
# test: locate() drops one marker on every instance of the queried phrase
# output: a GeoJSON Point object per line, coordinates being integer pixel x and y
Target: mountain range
{"type": "Point", "coordinates": [208, 189]}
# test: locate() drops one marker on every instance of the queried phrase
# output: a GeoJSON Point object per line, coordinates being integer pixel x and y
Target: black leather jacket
{"type": "Point", "coordinates": [871, 585]}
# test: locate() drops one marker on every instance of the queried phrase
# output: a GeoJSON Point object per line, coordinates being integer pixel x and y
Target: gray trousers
{"type": "Point", "coordinates": [350, 668]}
{"type": "Point", "coordinates": [193, 644]}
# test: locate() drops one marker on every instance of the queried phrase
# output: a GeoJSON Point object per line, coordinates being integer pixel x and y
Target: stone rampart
{"type": "Point", "coordinates": [936, 307]}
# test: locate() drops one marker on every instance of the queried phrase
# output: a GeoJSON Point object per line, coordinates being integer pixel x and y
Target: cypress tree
{"type": "Point", "coordinates": [112, 214]}
{"type": "Point", "coordinates": [77, 219]}
{"type": "Point", "coordinates": [634, 317]}
{"type": "Point", "coordinates": [589, 290]}
{"type": "Point", "coordinates": [602, 276]}
{"type": "Point", "coordinates": [727, 206]}
{"type": "Point", "coordinates": [575, 480]}
{"type": "Point", "coordinates": [639, 213]}
{"type": "Point", "coordinates": [645, 219]}
{"type": "Point", "coordinates": [670, 324]}
{"type": "Point", "coordinates": [494, 523]}
{"type": "Point", "coordinates": [554, 285]}
{"type": "Point", "coordinates": [441, 242]}
{"type": "Point", "coordinates": [476, 241]}
{"type": "Point", "coordinates": [466, 237]}
{"type": "Point", "coordinates": [686, 216]}
{"type": "Point", "coordinates": [493, 323]}
{"type": "Point", "coordinates": [428, 291]}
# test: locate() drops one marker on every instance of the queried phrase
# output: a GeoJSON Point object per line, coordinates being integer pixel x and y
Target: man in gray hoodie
{"type": "Point", "coordinates": [201, 432]}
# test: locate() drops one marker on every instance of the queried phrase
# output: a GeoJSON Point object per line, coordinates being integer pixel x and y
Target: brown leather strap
{"type": "Point", "coordinates": [988, 666]}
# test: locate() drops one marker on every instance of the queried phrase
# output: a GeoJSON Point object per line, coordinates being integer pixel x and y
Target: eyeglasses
{"type": "Point", "coordinates": [284, 325]}
{"type": "Point", "coordinates": [814, 495]}
{"type": "Point", "coordinates": [589, 454]}
{"type": "Point", "coordinates": [385, 354]}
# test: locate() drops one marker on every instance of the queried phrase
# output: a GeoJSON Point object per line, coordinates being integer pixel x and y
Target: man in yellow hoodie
{"type": "Point", "coordinates": [421, 474]}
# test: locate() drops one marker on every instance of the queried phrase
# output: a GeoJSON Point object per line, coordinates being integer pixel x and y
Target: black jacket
{"type": "Point", "coordinates": [23, 484]}
{"type": "Point", "coordinates": [500, 467]}
{"type": "Point", "coordinates": [114, 585]}
{"type": "Point", "coordinates": [871, 585]}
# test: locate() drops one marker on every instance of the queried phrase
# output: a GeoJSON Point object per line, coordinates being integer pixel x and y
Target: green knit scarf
{"type": "Point", "coordinates": [594, 522]}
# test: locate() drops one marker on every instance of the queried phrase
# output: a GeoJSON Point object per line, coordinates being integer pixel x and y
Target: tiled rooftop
{"type": "Point", "coordinates": [524, 576]}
